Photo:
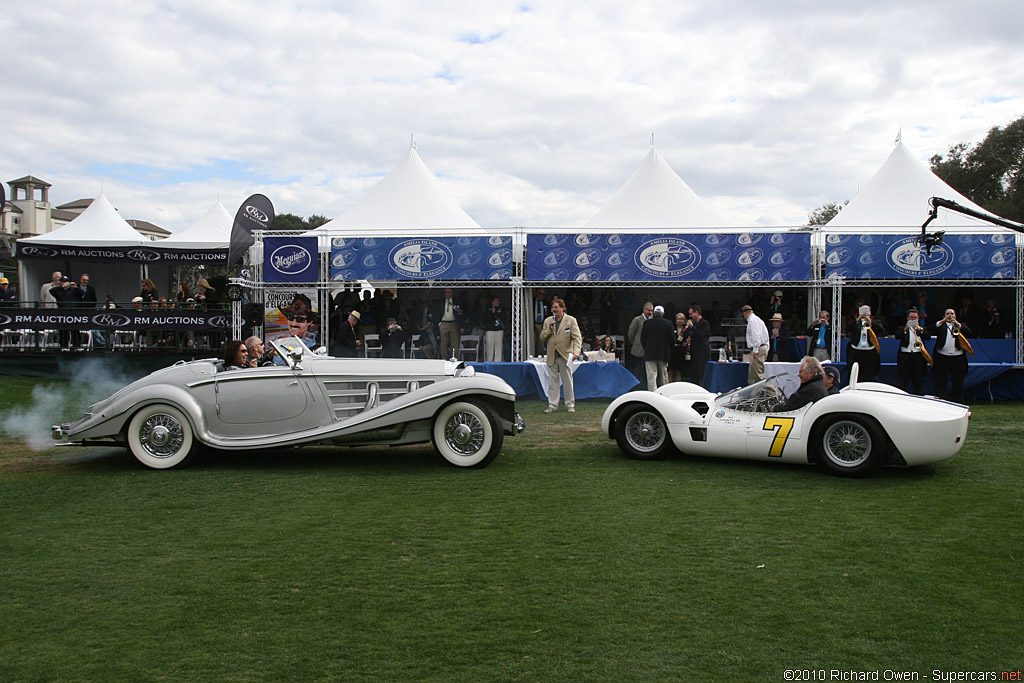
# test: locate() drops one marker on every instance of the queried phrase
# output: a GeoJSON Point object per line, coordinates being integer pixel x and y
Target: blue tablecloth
{"type": "Point", "coordinates": [590, 380]}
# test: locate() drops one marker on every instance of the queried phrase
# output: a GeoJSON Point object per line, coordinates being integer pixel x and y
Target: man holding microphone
{"type": "Point", "coordinates": [561, 334]}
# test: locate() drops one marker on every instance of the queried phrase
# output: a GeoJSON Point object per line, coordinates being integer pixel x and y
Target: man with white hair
{"type": "Point", "coordinates": [812, 386]}
{"type": "Point", "coordinates": [45, 297]}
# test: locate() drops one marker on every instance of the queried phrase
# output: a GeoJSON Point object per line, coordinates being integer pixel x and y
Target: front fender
{"type": "Point", "coordinates": [110, 420]}
{"type": "Point", "coordinates": [675, 408]}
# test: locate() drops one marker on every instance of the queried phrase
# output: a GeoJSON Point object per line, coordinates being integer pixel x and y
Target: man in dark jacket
{"type": "Point", "coordinates": [812, 386]}
{"type": "Point", "coordinates": [346, 343]}
{"type": "Point", "coordinates": [656, 338]}
{"type": "Point", "coordinates": [700, 344]}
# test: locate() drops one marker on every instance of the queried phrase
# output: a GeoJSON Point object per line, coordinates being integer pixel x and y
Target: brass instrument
{"type": "Point", "coordinates": [918, 345]}
{"type": "Point", "coordinates": [956, 329]}
{"type": "Point", "coordinates": [865, 323]}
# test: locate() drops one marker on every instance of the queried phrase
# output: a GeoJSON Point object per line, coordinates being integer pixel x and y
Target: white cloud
{"type": "Point", "coordinates": [531, 114]}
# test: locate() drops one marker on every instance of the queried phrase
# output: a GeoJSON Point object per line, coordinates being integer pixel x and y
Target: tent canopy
{"type": "Point", "coordinates": [97, 226]}
{"type": "Point", "coordinates": [656, 198]}
{"type": "Point", "coordinates": [408, 199]}
{"type": "Point", "coordinates": [212, 231]}
{"type": "Point", "coordinates": [896, 198]}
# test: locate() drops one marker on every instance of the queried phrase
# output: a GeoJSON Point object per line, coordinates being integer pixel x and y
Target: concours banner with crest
{"type": "Point", "coordinates": [290, 259]}
{"type": "Point", "coordinates": [894, 257]}
{"type": "Point", "coordinates": [711, 257]}
{"type": "Point", "coordinates": [421, 258]}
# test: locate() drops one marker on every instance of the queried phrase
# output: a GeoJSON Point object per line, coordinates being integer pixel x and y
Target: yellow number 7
{"type": "Point", "coordinates": [782, 426]}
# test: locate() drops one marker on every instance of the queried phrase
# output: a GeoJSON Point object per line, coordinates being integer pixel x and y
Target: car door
{"type": "Point", "coordinates": [776, 436]}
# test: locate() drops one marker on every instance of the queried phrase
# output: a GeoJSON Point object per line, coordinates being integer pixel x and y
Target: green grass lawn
{"type": "Point", "coordinates": [563, 560]}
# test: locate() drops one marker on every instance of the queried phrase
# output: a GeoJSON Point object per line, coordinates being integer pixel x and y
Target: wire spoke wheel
{"type": "Point", "coordinates": [467, 433]}
{"type": "Point", "coordinates": [847, 443]}
{"type": "Point", "coordinates": [641, 433]}
{"type": "Point", "coordinates": [645, 432]}
{"type": "Point", "coordinates": [464, 433]}
{"type": "Point", "coordinates": [161, 435]}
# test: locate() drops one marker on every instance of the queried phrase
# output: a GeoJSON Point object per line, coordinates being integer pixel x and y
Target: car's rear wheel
{"type": "Point", "coordinates": [160, 436]}
{"type": "Point", "coordinates": [641, 433]}
{"type": "Point", "coordinates": [466, 434]}
{"type": "Point", "coordinates": [849, 445]}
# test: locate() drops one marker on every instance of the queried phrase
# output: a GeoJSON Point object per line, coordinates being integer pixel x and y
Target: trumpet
{"type": "Point", "coordinates": [956, 329]}
{"type": "Point", "coordinates": [865, 323]}
{"type": "Point", "coordinates": [918, 345]}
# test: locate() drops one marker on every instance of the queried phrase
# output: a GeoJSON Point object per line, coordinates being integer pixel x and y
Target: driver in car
{"type": "Point", "coordinates": [812, 386]}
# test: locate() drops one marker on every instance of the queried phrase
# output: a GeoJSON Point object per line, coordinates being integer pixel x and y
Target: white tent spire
{"type": "Point", "coordinates": [655, 197]}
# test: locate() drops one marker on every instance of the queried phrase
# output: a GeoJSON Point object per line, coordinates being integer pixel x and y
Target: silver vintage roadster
{"type": "Point", "coordinates": [310, 399]}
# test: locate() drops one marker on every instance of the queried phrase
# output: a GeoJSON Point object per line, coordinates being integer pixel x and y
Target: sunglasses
{"type": "Point", "coordinates": [297, 318]}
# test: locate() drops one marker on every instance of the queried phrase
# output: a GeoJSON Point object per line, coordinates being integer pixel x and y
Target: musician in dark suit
{"type": "Point", "coordinates": [863, 347]}
{"type": "Point", "coordinates": [912, 361]}
{"type": "Point", "coordinates": [951, 350]}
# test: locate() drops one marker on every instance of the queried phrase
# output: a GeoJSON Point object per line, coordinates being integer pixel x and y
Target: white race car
{"type": "Point", "coordinates": [852, 433]}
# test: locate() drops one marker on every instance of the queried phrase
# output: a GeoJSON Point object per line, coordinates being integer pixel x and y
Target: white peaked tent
{"type": "Point", "coordinates": [212, 231]}
{"type": "Point", "coordinates": [407, 202]}
{"type": "Point", "coordinates": [655, 198]}
{"type": "Point", "coordinates": [97, 226]}
{"type": "Point", "coordinates": [895, 199]}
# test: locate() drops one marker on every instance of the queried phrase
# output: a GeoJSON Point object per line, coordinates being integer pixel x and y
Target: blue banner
{"type": "Point", "coordinates": [290, 259]}
{"type": "Point", "coordinates": [899, 257]}
{"type": "Point", "coordinates": [421, 258]}
{"type": "Point", "coordinates": [709, 257]}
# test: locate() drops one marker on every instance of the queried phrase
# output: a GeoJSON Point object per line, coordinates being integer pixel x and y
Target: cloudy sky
{"type": "Point", "coordinates": [530, 113]}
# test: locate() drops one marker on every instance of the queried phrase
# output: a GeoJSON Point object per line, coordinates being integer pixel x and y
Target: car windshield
{"type": "Point", "coordinates": [291, 350]}
{"type": "Point", "coordinates": [757, 397]}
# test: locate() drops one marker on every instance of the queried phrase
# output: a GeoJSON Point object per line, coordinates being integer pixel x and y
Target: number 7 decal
{"type": "Point", "coordinates": [782, 426]}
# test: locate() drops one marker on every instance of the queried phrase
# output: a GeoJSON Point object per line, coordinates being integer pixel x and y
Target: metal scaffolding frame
{"type": "Point", "coordinates": [521, 290]}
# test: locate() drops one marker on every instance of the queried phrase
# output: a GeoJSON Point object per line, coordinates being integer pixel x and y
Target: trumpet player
{"type": "Point", "coordinates": [951, 350]}
{"type": "Point", "coordinates": [863, 348]}
{"type": "Point", "coordinates": [912, 357]}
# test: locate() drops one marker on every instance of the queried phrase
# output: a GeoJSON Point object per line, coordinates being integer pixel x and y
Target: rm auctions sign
{"type": "Point", "coordinates": [113, 319]}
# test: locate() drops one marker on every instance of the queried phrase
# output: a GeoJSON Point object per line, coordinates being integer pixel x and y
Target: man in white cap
{"type": "Point", "coordinates": [656, 338]}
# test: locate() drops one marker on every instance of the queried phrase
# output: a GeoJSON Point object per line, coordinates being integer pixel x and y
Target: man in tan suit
{"type": "Point", "coordinates": [561, 334]}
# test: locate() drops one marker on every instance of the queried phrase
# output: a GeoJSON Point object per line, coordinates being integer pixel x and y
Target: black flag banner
{"type": "Point", "coordinates": [255, 213]}
{"type": "Point", "coordinates": [3, 197]}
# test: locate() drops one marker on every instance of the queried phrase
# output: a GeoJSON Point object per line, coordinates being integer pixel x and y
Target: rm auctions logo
{"type": "Point", "coordinates": [143, 255]}
{"type": "Point", "coordinates": [667, 257]}
{"type": "Point", "coordinates": [907, 257]}
{"type": "Point", "coordinates": [257, 214]}
{"type": "Point", "coordinates": [32, 250]}
{"type": "Point", "coordinates": [420, 258]}
{"type": "Point", "coordinates": [111, 320]}
{"type": "Point", "coordinates": [290, 259]}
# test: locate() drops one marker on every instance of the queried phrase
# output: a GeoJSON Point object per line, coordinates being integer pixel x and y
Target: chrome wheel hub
{"type": "Point", "coordinates": [161, 435]}
{"type": "Point", "coordinates": [464, 433]}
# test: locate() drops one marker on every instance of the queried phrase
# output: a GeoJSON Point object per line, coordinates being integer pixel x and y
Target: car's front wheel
{"type": "Point", "coordinates": [160, 436]}
{"type": "Point", "coordinates": [641, 433]}
{"type": "Point", "coordinates": [849, 445]}
{"type": "Point", "coordinates": [466, 434]}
